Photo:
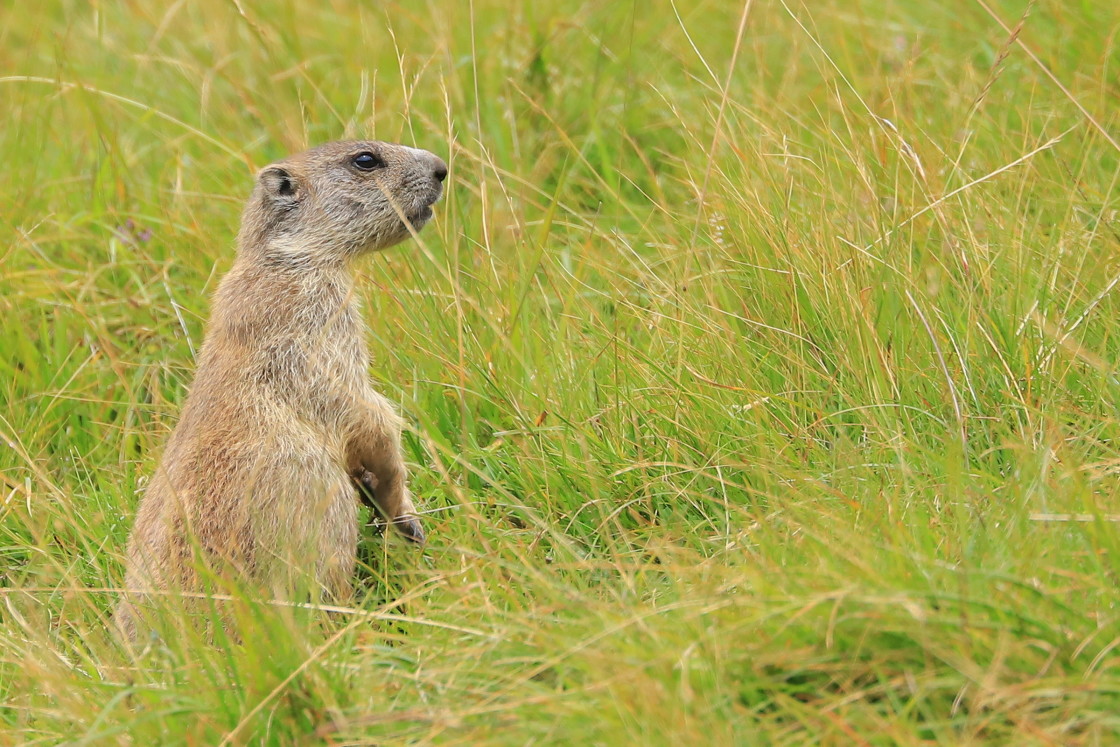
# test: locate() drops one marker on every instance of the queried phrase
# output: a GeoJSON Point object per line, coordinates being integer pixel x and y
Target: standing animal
{"type": "Point", "coordinates": [282, 434]}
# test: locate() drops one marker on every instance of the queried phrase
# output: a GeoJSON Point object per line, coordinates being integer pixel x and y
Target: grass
{"type": "Point", "coordinates": [765, 403]}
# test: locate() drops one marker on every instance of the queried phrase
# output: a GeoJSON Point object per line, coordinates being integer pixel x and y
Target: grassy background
{"type": "Point", "coordinates": [762, 391]}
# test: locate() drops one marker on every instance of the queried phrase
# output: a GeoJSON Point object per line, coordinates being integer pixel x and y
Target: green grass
{"type": "Point", "coordinates": [765, 404]}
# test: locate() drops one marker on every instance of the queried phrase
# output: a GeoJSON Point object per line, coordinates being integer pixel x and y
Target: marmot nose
{"type": "Point", "coordinates": [439, 168]}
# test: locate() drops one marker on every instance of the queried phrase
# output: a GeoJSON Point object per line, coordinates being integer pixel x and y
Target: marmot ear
{"type": "Point", "coordinates": [280, 184]}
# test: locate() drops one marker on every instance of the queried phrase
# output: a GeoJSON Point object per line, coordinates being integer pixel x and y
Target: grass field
{"type": "Point", "coordinates": [760, 367]}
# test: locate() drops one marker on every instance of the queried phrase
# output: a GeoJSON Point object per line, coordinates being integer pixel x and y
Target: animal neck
{"type": "Point", "coordinates": [284, 292]}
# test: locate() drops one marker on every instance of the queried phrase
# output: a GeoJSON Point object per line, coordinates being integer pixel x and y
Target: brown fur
{"type": "Point", "coordinates": [258, 478]}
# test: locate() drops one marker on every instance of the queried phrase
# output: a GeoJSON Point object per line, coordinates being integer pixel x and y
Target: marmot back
{"type": "Point", "coordinates": [281, 433]}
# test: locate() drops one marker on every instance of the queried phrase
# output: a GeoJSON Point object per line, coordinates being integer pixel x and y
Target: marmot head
{"type": "Point", "coordinates": [340, 200]}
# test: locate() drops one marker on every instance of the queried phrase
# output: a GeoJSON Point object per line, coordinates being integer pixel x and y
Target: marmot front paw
{"type": "Point", "coordinates": [407, 524]}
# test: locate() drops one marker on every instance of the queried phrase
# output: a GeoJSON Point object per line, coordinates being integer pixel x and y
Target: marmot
{"type": "Point", "coordinates": [281, 426]}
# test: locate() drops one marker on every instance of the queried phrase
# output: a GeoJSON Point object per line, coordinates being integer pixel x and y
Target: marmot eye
{"type": "Point", "coordinates": [367, 161]}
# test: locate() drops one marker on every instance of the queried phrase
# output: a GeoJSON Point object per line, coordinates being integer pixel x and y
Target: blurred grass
{"type": "Point", "coordinates": [780, 413]}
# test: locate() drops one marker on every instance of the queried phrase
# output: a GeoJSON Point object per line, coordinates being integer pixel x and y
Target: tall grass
{"type": "Point", "coordinates": [765, 403]}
